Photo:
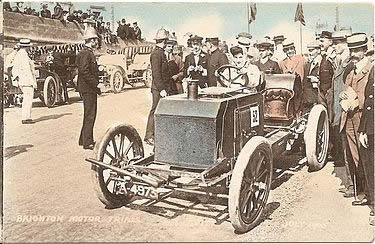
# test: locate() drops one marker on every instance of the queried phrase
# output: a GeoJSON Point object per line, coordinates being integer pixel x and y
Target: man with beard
{"type": "Point", "coordinates": [342, 60]}
{"type": "Point", "coordinates": [264, 63]}
{"type": "Point", "coordinates": [88, 79]}
{"type": "Point", "coordinates": [216, 59]}
{"type": "Point", "coordinates": [159, 87]}
{"type": "Point", "coordinates": [352, 103]}
{"type": "Point", "coordinates": [196, 62]}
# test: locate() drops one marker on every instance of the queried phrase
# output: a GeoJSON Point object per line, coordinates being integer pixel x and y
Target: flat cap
{"type": "Point", "coordinates": [314, 44]}
{"type": "Point", "coordinates": [357, 40]}
{"type": "Point", "coordinates": [263, 44]}
{"type": "Point", "coordinates": [196, 38]}
{"type": "Point", "coordinates": [326, 34]}
{"type": "Point", "coordinates": [212, 39]}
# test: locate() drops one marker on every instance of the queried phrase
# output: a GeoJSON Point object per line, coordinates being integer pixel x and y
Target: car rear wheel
{"type": "Point", "coordinates": [49, 91]}
{"type": "Point", "coordinates": [316, 138]}
{"type": "Point", "coordinates": [117, 81]}
{"type": "Point", "coordinates": [250, 184]}
{"type": "Point", "coordinates": [120, 146]}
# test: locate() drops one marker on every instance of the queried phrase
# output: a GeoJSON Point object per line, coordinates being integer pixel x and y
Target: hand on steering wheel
{"type": "Point", "coordinates": [230, 74]}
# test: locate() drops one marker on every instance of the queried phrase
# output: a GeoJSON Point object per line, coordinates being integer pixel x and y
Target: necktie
{"type": "Point", "coordinates": [355, 70]}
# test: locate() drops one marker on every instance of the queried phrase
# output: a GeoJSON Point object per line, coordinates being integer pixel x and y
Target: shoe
{"type": "Point", "coordinates": [28, 121]}
{"type": "Point", "coordinates": [90, 146]}
{"type": "Point", "coordinates": [362, 202]}
{"type": "Point", "coordinates": [349, 194]}
{"type": "Point", "coordinates": [149, 141]}
{"type": "Point", "coordinates": [346, 189]}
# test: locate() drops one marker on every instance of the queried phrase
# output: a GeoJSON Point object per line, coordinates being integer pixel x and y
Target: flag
{"type": "Point", "coordinates": [299, 14]}
{"type": "Point", "coordinates": [252, 8]}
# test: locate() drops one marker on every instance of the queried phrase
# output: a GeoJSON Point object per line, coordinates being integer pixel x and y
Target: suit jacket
{"type": "Point", "coordinates": [269, 67]}
{"type": "Point", "coordinates": [325, 75]}
{"type": "Point", "coordinates": [88, 76]}
{"type": "Point", "coordinates": [338, 81]}
{"type": "Point", "coordinates": [215, 60]}
{"type": "Point", "coordinates": [358, 82]}
{"type": "Point", "coordinates": [159, 67]}
{"type": "Point", "coordinates": [296, 64]}
{"type": "Point", "coordinates": [190, 61]}
{"type": "Point", "coordinates": [310, 94]}
{"type": "Point", "coordinates": [367, 120]}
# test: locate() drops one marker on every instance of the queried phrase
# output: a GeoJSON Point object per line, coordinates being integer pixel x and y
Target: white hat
{"type": "Point", "coordinates": [90, 33]}
{"type": "Point", "coordinates": [357, 40]}
{"type": "Point", "coordinates": [24, 43]}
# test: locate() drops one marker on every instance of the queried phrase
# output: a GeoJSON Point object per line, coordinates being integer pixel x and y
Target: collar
{"type": "Point", "coordinates": [361, 64]}
{"type": "Point", "coordinates": [317, 59]}
{"type": "Point", "coordinates": [264, 60]}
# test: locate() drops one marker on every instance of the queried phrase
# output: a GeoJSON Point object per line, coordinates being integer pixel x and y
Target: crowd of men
{"type": "Point", "coordinates": [338, 73]}
{"type": "Point", "coordinates": [104, 29]}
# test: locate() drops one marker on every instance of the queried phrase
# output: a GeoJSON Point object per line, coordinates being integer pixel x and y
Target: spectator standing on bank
{"type": "Point", "coordinates": [45, 13]}
{"type": "Point", "coordinates": [58, 12]}
{"type": "Point", "coordinates": [23, 71]}
{"type": "Point", "coordinates": [88, 80]}
{"type": "Point", "coordinates": [137, 31]}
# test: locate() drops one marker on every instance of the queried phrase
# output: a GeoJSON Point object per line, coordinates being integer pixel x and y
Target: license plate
{"type": "Point", "coordinates": [144, 191]}
{"type": "Point", "coordinates": [254, 116]}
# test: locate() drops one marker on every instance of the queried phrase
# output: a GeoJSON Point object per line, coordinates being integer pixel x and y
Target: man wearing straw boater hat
{"type": "Point", "coordinates": [160, 82]}
{"type": "Point", "coordinates": [279, 55]}
{"type": "Point", "coordinates": [342, 63]}
{"type": "Point", "coordinates": [352, 103]}
{"type": "Point", "coordinates": [23, 71]}
{"type": "Point", "coordinates": [88, 80]}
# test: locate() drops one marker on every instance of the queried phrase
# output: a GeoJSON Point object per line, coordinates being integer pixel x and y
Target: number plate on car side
{"type": "Point", "coordinates": [144, 191]}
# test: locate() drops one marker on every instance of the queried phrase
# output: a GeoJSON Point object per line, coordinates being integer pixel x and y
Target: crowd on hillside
{"type": "Point", "coordinates": [104, 29]}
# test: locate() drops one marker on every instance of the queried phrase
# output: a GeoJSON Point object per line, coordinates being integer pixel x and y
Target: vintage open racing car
{"type": "Point", "coordinates": [226, 139]}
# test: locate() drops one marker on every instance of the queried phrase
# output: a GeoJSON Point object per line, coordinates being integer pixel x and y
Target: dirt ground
{"type": "Point", "coordinates": [49, 197]}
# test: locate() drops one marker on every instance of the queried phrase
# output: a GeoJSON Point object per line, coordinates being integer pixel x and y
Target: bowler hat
{"type": "Point", "coordinates": [279, 38]}
{"type": "Point", "coordinates": [341, 35]}
{"type": "Point", "coordinates": [357, 40]}
{"type": "Point", "coordinates": [24, 43]}
{"type": "Point", "coordinates": [326, 34]}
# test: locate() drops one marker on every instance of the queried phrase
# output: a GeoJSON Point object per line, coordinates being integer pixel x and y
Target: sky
{"type": "Point", "coordinates": [226, 19]}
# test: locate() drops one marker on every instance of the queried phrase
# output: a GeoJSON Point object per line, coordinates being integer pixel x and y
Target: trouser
{"type": "Point", "coordinates": [368, 161]}
{"type": "Point", "coordinates": [180, 88]}
{"type": "Point", "coordinates": [150, 122]}
{"type": "Point", "coordinates": [89, 115]}
{"type": "Point", "coordinates": [356, 167]}
{"type": "Point", "coordinates": [348, 181]}
{"type": "Point", "coordinates": [63, 79]}
{"type": "Point", "coordinates": [337, 150]}
{"type": "Point", "coordinates": [27, 102]}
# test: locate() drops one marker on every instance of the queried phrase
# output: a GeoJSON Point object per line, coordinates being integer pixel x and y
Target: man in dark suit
{"type": "Point", "coordinates": [196, 62]}
{"type": "Point", "coordinates": [311, 79]}
{"type": "Point", "coordinates": [265, 64]}
{"type": "Point", "coordinates": [88, 79]}
{"type": "Point", "coordinates": [216, 59]}
{"type": "Point", "coordinates": [160, 81]}
{"type": "Point", "coordinates": [366, 138]}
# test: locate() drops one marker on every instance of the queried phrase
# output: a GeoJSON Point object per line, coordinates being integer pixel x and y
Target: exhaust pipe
{"type": "Point", "coordinates": [148, 181]}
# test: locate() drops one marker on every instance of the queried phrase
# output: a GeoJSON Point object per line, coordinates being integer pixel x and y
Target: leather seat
{"type": "Point", "coordinates": [277, 103]}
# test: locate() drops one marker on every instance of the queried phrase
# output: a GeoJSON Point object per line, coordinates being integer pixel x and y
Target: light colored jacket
{"type": "Point", "coordinates": [24, 69]}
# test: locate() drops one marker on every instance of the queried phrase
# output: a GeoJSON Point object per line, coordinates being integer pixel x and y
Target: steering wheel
{"type": "Point", "coordinates": [231, 75]}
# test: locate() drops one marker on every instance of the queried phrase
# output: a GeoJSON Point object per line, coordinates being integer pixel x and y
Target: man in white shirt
{"type": "Point", "coordinates": [23, 71]}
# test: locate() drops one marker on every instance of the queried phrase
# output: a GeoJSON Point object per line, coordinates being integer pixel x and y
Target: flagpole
{"type": "Point", "coordinates": [248, 17]}
{"type": "Point", "coordinates": [300, 35]}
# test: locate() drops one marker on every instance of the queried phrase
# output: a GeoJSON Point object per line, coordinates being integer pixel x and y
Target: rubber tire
{"type": "Point", "coordinates": [147, 77]}
{"type": "Point", "coordinates": [46, 91]}
{"type": "Point", "coordinates": [254, 144]}
{"type": "Point", "coordinates": [116, 88]}
{"type": "Point", "coordinates": [311, 131]}
{"type": "Point", "coordinates": [108, 199]}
